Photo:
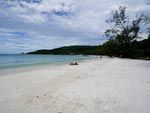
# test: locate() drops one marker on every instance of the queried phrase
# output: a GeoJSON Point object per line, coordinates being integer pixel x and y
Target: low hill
{"type": "Point", "coordinates": [137, 49]}
{"type": "Point", "coordinates": [67, 50]}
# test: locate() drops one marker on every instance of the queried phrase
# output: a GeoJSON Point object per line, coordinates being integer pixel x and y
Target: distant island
{"type": "Point", "coordinates": [137, 49]}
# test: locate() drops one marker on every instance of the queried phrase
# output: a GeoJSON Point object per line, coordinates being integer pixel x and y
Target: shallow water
{"type": "Point", "coordinates": [19, 61]}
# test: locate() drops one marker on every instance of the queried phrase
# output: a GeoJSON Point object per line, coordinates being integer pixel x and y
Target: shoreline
{"type": "Point", "coordinates": [106, 85]}
{"type": "Point", "coordinates": [8, 71]}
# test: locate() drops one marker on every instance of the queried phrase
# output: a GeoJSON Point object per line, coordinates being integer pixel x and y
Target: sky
{"type": "Point", "coordinates": [28, 25]}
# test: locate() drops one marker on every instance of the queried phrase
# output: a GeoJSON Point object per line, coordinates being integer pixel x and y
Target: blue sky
{"type": "Point", "coordinates": [45, 24]}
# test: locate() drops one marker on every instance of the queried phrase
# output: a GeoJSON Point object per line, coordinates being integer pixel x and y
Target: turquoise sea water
{"type": "Point", "coordinates": [18, 61]}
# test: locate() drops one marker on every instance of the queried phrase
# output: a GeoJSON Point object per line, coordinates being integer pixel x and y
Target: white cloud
{"type": "Point", "coordinates": [58, 21]}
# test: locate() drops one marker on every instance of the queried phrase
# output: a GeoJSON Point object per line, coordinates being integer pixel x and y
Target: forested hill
{"type": "Point", "coordinates": [137, 49]}
{"type": "Point", "coordinates": [67, 50]}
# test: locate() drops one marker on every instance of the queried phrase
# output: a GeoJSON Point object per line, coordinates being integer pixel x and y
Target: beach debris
{"type": "Point", "coordinates": [73, 63]}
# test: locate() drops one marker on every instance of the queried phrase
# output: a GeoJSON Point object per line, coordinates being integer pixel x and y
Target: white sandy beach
{"type": "Point", "coordinates": [107, 85]}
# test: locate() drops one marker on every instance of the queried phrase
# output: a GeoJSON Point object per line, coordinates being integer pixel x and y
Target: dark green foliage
{"type": "Point", "coordinates": [137, 49]}
{"type": "Point", "coordinates": [68, 50]}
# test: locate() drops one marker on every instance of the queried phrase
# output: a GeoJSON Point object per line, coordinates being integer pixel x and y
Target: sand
{"type": "Point", "coordinates": [107, 85]}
